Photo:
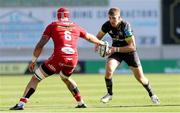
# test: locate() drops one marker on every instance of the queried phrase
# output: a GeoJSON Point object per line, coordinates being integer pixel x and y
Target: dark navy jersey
{"type": "Point", "coordinates": [119, 34]}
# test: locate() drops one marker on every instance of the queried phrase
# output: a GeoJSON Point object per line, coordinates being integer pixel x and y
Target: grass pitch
{"type": "Point", "coordinates": [52, 95]}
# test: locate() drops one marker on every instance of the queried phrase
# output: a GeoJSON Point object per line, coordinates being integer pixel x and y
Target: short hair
{"type": "Point", "coordinates": [113, 11]}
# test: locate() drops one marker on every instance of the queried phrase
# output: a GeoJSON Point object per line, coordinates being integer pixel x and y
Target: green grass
{"type": "Point", "coordinates": [129, 96]}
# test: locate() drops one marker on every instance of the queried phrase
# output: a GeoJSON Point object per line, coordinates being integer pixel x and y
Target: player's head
{"type": "Point", "coordinates": [63, 13]}
{"type": "Point", "coordinates": [114, 16]}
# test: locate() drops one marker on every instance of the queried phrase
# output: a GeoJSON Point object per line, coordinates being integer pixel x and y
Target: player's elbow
{"type": "Point", "coordinates": [133, 49]}
{"type": "Point", "coordinates": [87, 36]}
{"type": "Point", "coordinates": [39, 46]}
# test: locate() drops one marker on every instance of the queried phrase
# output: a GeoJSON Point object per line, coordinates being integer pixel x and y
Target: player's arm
{"type": "Point", "coordinates": [91, 38]}
{"type": "Point", "coordinates": [37, 51]}
{"type": "Point", "coordinates": [40, 45]}
{"type": "Point", "coordinates": [129, 38]}
{"type": "Point", "coordinates": [129, 48]}
{"type": "Point", "coordinates": [100, 35]}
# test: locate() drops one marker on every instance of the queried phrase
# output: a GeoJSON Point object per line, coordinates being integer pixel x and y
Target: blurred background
{"type": "Point", "coordinates": [156, 26]}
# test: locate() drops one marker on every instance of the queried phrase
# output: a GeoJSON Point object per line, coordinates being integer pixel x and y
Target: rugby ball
{"type": "Point", "coordinates": [103, 49]}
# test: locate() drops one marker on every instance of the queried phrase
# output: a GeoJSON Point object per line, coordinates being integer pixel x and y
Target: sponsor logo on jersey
{"type": "Point", "coordinates": [68, 50]}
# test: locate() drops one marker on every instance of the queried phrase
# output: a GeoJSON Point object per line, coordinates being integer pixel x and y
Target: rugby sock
{"type": "Point", "coordinates": [109, 85]}
{"type": "Point", "coordinates": [77, 96]}
{"type": "Point", "coordinates": [23, 101]}
{"type": "Point", "coordinates": [30, 92]}
{"type": "Point", "coordinates": [149, 89]}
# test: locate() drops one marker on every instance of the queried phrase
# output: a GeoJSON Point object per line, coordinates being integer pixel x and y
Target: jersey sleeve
{"type": "Point", "coordinates": [82, 32]}
{"type": "Point", "coordinates": [48, 30]}
{"type": "Point", "coordinates": [127, 30]}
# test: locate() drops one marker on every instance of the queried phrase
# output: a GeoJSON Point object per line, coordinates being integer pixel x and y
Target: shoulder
{"type": "Point", "coordinates": [51, 24]}
{"type": "Point", "coordinates": [78, 26]}
{"type": "Point", "coordinates": [125, 23]}
{"type": "Point", "coordinates": [75, 24]}
{"type": "Point", "coordinates": [127, 28]}
{"type": "Point", "coordinates": [49, 27]}
{"type": "Point", "coordinates": [106, 27]}
{"type": "Point", "coordinates": [106, 24]}
{"type": "Point", "coordinates": [54, 23]}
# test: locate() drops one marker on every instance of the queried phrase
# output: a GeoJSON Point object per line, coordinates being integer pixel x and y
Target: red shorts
{"type": "Point", "coordinates": [64, 64]}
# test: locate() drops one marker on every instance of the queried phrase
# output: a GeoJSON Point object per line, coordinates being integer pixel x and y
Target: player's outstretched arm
{"type": "Point", "coordinates": [91, 38]}
{"type": "Point", "coordinates": [100, 35]}
{"type": "Point", "coordinates": [37, 51]}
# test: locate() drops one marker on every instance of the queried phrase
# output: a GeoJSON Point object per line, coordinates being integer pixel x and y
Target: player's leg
{"type": "Point", "coordinates": [40, 73]}
{"type": "Point", "coordinates": [133, 61]}
{"type": "Point", "coordinates": [139, 75]}
{"type": "Point", "coordinates": [111, 65]}
{"type": "Point", "coordinates": [72, 86]}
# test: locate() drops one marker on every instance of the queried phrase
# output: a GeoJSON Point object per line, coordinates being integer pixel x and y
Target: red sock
{"type": "Point", "coordinates": [24, 100]}
{"type": "Point", "coordinates": [77, 96]}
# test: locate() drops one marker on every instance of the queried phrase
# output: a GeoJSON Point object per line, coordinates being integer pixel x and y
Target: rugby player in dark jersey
{"type": "Point", "coordinates": [123, 49]}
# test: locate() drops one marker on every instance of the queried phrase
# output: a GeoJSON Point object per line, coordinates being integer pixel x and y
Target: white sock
{"type": "Point", "coordinates": [81, 102]}
{"type": "Point", "coordinates": [21, 104]}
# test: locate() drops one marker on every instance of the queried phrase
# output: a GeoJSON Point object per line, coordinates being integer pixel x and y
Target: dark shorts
{"type": "Point", "coordinates": [131, 58]}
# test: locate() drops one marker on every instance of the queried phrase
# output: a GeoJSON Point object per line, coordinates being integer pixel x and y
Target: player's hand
{"type": "Point", "coordinates": [101, 43]}
{"type": "Point", "coordinates": [96, 48]}
{"type": "Point", "coordinates": [110, 51]}
{"type": "Point", "coordinates": [32, 66]}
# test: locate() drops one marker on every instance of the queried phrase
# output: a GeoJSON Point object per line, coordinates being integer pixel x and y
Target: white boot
{"type": "Point", "coordinates": [106, 98]}
{"type": "Point", "coordinates": [155, 99]}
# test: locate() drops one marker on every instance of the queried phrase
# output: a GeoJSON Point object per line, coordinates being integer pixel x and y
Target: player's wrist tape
{"type": "Point", "coordinates": [117, 49]}
{"type": "Point", "coordinates": [34, 58]}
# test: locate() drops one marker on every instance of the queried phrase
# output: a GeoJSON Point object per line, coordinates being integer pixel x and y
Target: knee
{"type": "Point", "coordinates": [143, 80]}
{"type": "Point", "coordinates": [109, 73]}
{"type": "Point", "coordinates": [38, 75]}
{"type": "Point", "coordinates": [63, 77]}
{"type": "Point", "coordinates": [34, 78]}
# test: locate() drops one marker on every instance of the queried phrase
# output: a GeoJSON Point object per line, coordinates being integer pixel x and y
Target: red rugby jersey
{"type": "Point", "coordinates": [65, 35]}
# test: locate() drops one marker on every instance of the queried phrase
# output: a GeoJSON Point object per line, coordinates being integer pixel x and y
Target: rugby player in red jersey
{"type": "Point", "coordinates": [63, 60]}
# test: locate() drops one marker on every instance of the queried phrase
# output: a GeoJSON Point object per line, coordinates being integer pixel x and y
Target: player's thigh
{"type": "Point", "coordinates": [53, 64]}
{"type": "Point", "coordinates": [68, 67]}
{"type": "Point", "coordinates": [137, 71]}
{"type": "Point", "coordinates": [42, 72]}
{"type": "Point", "coordinates": [67, 71]}
{"type": "Point", "coordinates": [111, 65]}
{"type": "Point", "coordinates": [132, 59]}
